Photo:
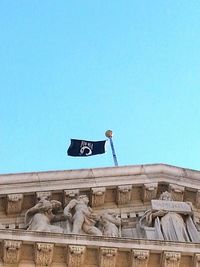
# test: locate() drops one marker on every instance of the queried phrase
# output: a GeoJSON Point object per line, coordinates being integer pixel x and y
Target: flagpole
{"type": "Point", "coordinates": [109, 134]}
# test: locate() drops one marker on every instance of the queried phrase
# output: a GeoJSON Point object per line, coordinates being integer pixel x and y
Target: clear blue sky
{"type": "Point", "coordinates": [73, 69]}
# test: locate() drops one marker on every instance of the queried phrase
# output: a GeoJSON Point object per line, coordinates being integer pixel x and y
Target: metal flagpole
{"type": "Point", "coordinates": [109, 134]}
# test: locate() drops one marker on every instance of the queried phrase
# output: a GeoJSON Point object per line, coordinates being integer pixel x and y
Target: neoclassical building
{"type": "Point", "coordinates": [130, 216]}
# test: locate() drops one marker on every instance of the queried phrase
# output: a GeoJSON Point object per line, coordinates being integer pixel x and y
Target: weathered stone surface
{"type": "Point", "coordinates": [171, 220]}
{"type": "Point", "coordinates": [128, 194]}
{"type": "Point", "coordinates": [139, 258]}
{"type": "Point", "coordinates": [98, 196]}
{"type": "Point", "coordinates": [14, 203]}
{"type": "Point", "coordinates": [171, 259]}
{"type": "Point", "coordinates": [149, 191]}
{"type": "Point", "coordinates": [124, 194]}
{"type": "Point", "coordinates": [69, 195]}
{"type": "Point", "coordinates": [196, 261]}
{"type": "Point", "coordinates": [197, 200]}
{"type": "Point", "coordinates": [11, 251]}
{"type": "Point", "coordinates": [75, 256]}
{"type": "Point", "coordinates": [173, 206]}
{"type": "Point", "coordinates": [110, 224]}
{"type": "Point", "coordinates": [41, 216]}
{"type": "Point", "coordinates": [43, 195]}
{"type": "Point", "coordinates": [44, 254]}
{"type": "Point", "coordinates": [107, 257]}
{"type": "Point", "coordinates": [83, 219]}
{"type": "Point", "coordinates": [177, 192]}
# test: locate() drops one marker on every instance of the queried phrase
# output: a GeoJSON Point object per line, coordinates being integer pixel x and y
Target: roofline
{"type": "Point", "coordinates": [127, 170]}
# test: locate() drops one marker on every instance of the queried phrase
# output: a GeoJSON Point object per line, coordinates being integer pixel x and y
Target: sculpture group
{"type": "Point", "coordinates": [170, 220]}
{"type": "Point", "coordinates": [76, 218]}
{"type": "Point", "coordinates": [166, 220]}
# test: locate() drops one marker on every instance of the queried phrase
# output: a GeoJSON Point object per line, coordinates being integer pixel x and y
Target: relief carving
{"type": "Point", "coordinates": [140, 258]}
{"type": "Point", "coordinates": [149, 191]}
{"type": "Point", "coordinates": [81, 216]}
{"type": "Point", "coordinates": [171, 220]}
{"type": "Point", "coordinates": [14, 203]}
{"type": "Point", "coordinates": [98, 196]}
{"type": "Point", "coordinates": [110, 224]}
{"type": "Point", "coordinates": [11, 251]}
{"type": "Point", "coordinates": [43, 254]}
{"type": "Point", "coordinates": [69, 195]}
{"type": "Point", "coordinates": [177, 192]}
{"type": "Point", "coordinates": [124, 194]}
{"type": "Point", "coordinates": [42, 215]}
{"type": "Point", "coordinates": [76, 256]}
{"type": "Point", "coordinates": [107, 257]}
{"type": "Point", "coordinates": [171, 259]}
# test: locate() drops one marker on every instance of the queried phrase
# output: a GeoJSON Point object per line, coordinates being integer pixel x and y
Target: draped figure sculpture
{"type": "Point", "coordinates": [82, 218]}
{"type": "Point", "coordinates": [42, 215]}
{"type": "Point", "coordinates": [172, 220]}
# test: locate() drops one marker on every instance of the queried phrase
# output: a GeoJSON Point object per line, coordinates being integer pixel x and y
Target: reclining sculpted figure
{"type": "Point", "coordinates": [42, 215]}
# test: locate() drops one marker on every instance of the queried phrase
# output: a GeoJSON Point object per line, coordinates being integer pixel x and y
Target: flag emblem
{"type": "Point", "coordinates": [84, 148]}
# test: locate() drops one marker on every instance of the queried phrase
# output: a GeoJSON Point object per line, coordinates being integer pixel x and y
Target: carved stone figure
{"type": "Point", "coordinates": [82, 218]}
{"type": "Point", "coordinates": [42, 215]}
{"type": "Point", "coordinates": [172, 220]}
{"type": "Point", "coordinates": [110, 224]}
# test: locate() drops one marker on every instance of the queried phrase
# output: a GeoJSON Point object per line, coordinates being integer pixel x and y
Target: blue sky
{"type": "Point", "coordinates": [73, 69]}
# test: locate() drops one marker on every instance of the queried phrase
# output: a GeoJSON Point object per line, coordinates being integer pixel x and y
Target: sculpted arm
{"type": "Point", "coordinates": [70, 206]}
{"type": "Point", "coordinates": [30, 212]}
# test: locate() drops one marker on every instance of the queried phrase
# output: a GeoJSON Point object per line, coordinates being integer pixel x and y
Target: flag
{"type": "Point", "coordinates": [83, 148]}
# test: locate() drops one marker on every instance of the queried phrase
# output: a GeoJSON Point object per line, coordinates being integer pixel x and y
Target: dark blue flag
{"type": "Point", "coordinates": [84, 148]}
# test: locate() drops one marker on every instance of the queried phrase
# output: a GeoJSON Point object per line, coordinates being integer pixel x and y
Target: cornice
{"type": "Point", "coordinates": [97, 177]}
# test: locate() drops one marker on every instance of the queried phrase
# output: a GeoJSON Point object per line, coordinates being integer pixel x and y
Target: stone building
{"type": "Point", "coordinates": [131, 216]}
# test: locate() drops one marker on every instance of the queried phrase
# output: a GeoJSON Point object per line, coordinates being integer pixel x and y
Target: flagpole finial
{"type": "Point", "coordinates": [109, 133]}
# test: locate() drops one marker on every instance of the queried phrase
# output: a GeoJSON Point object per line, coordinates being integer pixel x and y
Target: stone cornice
{"type": "Point", "coordinates": [98, 177]}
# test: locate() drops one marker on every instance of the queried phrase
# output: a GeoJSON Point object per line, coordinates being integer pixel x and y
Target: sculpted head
{"type": "Point", "coordinates": [166, 196]}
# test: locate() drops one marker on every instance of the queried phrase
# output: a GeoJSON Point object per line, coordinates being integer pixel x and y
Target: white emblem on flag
{"type": "Point", "coordinates": [87, 152]}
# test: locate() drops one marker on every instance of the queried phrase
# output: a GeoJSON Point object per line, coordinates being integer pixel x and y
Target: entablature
{"type": "Point", "coordinates": [111, 196]}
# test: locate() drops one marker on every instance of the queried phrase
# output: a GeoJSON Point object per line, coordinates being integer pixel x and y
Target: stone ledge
{"type": "Point", "coordinates": [98, 173]}
{"type": "Point", "coordinates": [124, 244]}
